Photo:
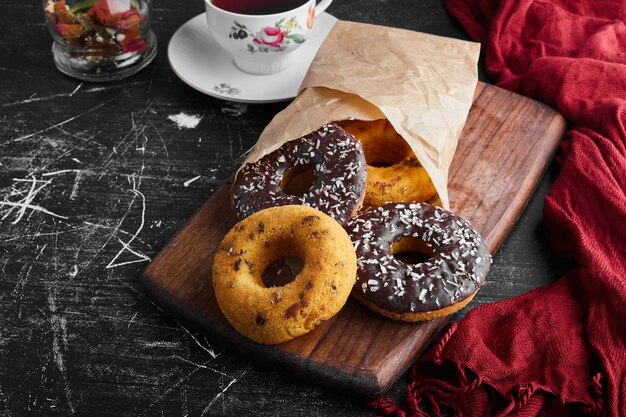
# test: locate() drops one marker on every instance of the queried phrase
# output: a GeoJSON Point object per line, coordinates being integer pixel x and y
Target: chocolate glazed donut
{"type": "Point", "coordinates": [420, 291]}
{"type": "Point", "coordinates": [333, 156]}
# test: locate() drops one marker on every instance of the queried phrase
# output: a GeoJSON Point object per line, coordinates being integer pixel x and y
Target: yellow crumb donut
{"type": "Point", "coordinates": [280, 313]}
{"type": "Point", "coordinates": [393, 171]}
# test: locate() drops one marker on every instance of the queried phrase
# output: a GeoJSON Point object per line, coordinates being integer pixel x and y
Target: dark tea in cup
{"type": "Point", "coordinates": [257, 7]}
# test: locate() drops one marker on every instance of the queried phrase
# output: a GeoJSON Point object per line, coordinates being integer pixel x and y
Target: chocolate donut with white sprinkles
{"type": "Point", "coordinates": [446, 282]}
{"type": "Point", "coordinates": [329, 157]}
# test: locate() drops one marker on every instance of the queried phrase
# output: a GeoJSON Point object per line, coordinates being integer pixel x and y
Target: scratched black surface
{"type": "Point", "coordinates": [95, 179]}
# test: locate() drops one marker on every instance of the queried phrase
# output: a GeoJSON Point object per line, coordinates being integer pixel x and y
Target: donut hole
{"type": "Point", "coordinates": [282, 271]}
{"type": "Point", "coordinates": [386, 156]}
{"type": "Point", "coordinates": [298, 179]}
{"type": "Point", "coordinates": [382, 145]}
{"type": "Point", "coordinates": [411, 250]}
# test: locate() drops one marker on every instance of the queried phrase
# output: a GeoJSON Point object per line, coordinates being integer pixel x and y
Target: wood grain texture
{"type": "Point", "coordinates": [505, 147]}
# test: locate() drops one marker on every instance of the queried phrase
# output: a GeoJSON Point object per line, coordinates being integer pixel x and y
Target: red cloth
{"type": "Point", "coordinates": [559, 350]}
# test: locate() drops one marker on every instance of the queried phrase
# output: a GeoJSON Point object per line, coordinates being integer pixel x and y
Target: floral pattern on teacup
{"type": "Point", "coordinates": [310, 17]}
{"type": "Point", "coordinates": [270, 38]}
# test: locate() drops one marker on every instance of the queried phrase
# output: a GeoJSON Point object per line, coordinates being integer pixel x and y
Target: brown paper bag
{"type": "Point", "coordinates": [423, 84]}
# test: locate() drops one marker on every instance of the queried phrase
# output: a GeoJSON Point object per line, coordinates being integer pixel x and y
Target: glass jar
{"type": "Point", "coordinates": [100, 40]}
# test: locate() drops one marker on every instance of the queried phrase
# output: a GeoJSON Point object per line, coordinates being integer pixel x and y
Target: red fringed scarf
{"type": "Point", "coordinates": [559, 350]}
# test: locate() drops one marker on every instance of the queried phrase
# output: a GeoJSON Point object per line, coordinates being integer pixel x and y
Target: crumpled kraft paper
{"type": "Point", "coordinates": [423, 84]}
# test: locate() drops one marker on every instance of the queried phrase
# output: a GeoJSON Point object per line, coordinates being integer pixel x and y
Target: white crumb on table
{"type": "Point", "coordinates": [185, 121]}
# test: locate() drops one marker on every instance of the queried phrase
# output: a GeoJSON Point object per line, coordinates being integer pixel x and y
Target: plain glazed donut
{"type": "Point", "coordinates": [393, 171]}
{"type": "Point", "coordinates": [277, 314]}
{"type": "Point", "coordinates": [411, 292]}
{"type": "Point", "coordinates": [334, 158]}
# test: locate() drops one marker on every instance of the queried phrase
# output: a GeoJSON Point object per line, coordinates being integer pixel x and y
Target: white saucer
{"type": "Point", "coordinates": [200, 62]}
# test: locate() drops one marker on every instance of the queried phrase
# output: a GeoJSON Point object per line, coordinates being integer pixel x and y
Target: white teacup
{"type": "Point", "coordinates": [258, 33]}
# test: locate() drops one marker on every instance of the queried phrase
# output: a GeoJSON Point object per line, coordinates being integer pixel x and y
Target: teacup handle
{"type": "Point", "coordinates": [322, 6]}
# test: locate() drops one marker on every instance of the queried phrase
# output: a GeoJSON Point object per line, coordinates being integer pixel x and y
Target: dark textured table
{"type": "Point", "coordinates": [95, 179]}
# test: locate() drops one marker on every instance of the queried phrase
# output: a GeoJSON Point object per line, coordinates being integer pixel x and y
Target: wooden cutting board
{"type": "Point", "coordinates": [506, 145]}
